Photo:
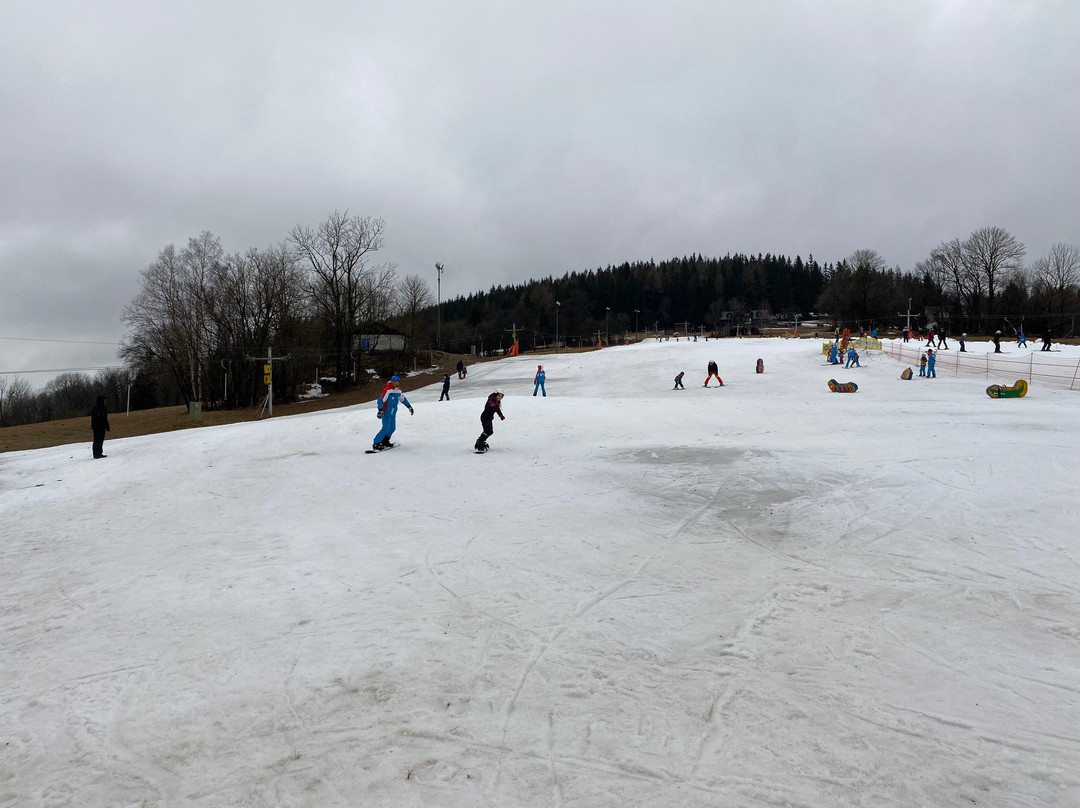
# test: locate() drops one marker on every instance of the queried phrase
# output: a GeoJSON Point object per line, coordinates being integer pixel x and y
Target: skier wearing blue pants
{"type": "Point", "coordinates": [538, 382]}
{"type": "Point", "coordinates": [388, 404]}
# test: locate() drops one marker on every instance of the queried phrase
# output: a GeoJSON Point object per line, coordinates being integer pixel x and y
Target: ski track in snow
{"type": "Point", "coordinates": [763, 594]}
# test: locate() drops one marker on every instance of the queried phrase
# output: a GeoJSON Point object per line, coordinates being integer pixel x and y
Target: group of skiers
{"type": "Point", "coordinates": [712, 369]}
{"type": "Point", "coordinates": [926, 364]}
{"type": "Point", "coordinates": [852, 356]}
{"type": "Point", "coordinates": [392, 397]}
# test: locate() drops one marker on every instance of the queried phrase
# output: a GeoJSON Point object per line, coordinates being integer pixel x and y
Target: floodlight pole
{"type": "Point", "coordinates": [558, 306]}
{"type": "Point", "coordinates": [438, 305]}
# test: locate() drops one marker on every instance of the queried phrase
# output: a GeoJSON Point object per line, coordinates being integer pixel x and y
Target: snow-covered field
{"type": "Point", "coordinates": [761, 595]}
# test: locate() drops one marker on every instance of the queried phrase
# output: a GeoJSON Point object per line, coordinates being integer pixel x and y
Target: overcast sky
{"type": "Point", "coordinates": [512, 141]}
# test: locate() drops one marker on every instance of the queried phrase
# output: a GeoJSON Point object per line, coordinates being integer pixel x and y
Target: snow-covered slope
{"type": "Point", "coordinates": [766, 594]}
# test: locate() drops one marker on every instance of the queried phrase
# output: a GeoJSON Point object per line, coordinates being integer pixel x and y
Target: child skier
{"type": "Point", "coordinates": [388, 405]}
{"type": "Point", "coordinates": [852, 358]}
{"type": "Point", "coordinates": [713, 371]}
{"type": "Point", "coordinates": [487, 419]}
{"type": "Point", "coordinates": [445, 388]}
{"type": "Point", "coordinates": [678, 382]}
{"type": "Point", "coordinates": [922, 364]}
{"type": "Point", "coordinates": [931, 358]}
{"type": "Point", "coordinates": [538, 382]}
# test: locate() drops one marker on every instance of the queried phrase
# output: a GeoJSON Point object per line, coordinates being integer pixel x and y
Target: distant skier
{"type": "Point", "coordinates": [1021, 338]}
{"type": "Point", "coordinates": [538, 382]}
{"type": "Point", "coordinates": [99, 425]}
{"type": "Point", "coordinates": [997, 342]}
{"type": "Point", "coordinates": [1047, 338]}
{"type": "Point", "coordinates": [941, 343]}
{"type": "Point", "coordinates": [907, 333]}
{"type": "Point", "coordinates": [492, 407]}
{"type": "Point", "coordinates": [930, 338]}
{"type": "Point", "coordinates": [445, 388]}
{"type": "Point", "coordinates": [678, 382]}
{"type": "Point", "coordinates": [713, 371]}
{"type": "Point", "coordinates": [963, 337]}
{"type": "Point", "coordinates": [388, 406]}
{"type": "Point", "coordinates": [931, 359]}
{"type": "Point", "coordinates": [460, 369]}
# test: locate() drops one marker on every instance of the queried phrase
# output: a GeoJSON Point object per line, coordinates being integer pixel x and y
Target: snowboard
{"type": "Point", "coordinates": [842, 387]}
{"type": "Point", "coordinates": [377, 451]}
{"type": "Point", "coordinates": [1018, 390]}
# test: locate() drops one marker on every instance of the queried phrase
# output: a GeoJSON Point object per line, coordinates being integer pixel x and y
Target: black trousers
{"type": "Point", "coordinates": [99, 442]}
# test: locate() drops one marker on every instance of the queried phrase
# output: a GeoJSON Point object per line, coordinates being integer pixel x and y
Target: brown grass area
{"type": "Point", "coordinates": [168, 419]}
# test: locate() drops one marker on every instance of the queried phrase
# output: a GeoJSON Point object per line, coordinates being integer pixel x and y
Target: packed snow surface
{"type": "Point", "coordinates": [765, 594]}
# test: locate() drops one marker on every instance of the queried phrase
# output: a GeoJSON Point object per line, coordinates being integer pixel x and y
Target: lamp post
{"type": "Point", "coordinates": [438, 304]}
{"type": "Point", "coordinates": [636, 313]}
{"type": "Point", "coordinates": [607, 333]}
{"type": "Point", "coordinates": [558, 306]}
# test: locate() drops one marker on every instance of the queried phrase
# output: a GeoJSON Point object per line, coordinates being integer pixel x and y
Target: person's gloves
{"type": "Point", "coordinates": [502, 417]}
{"type": "Point", "coordinates": [378, 414]}
{"type": "Point", "coordinates": [411, 412]}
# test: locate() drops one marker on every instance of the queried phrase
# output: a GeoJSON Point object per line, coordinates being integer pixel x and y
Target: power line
{"type": "Point", "coordinates": [66, 341]}
{"type": "Point", "coordinates": [58, 370]}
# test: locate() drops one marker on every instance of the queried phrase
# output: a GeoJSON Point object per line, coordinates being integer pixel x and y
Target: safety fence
{"type": "Point", "coordinates": [1036, 366]}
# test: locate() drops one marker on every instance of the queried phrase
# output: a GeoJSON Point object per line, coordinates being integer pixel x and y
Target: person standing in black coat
{"type": "Point", "coordinates": [492, 407]}
{"type": "Point", "coordinates": [445, 388]}
{"type": "Point", "coordinates": [99, 424]}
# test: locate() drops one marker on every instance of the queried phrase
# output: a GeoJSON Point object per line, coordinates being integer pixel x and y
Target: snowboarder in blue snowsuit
{"type": "Point", "coordinates": [388, 404]}
{"type": "Point", "coordinates": [538, 382]}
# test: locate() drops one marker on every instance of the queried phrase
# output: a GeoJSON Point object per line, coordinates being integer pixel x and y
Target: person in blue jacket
{"type": "Point", "coordinates": [538, 382]}
{"type": "Point", "coordinates": [833, 351]}
{"type": "Point", "coordinates": [931, 359]}
{"type": "Point", "coordinates": [852, 358]}
{"type": "Point", "coordinates": [388, 404]}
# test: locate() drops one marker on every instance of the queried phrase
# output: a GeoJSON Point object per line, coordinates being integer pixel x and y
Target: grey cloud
{"type": "Point", "coordinates": [514, 142]}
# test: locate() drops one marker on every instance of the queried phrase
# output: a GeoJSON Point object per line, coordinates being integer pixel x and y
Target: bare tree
{"type": "Point", "coordinates": [949, 266]}
{"type": "Point", "coordinates": [414, 299]}
{"type": "Point", "coordinates": [18, 401]}
{"type": "Point", "coordinates": [69, 395]}
{"type": "Point", "coordinates": [257, 301]}
{"type": "Point", "coordinates": [339, 280]}
{"type": "Point", "coordinates": [170, 320]}
{"type": "Point", "coordinates": [993, 255]}
{"type": "Point", "coordinates": [1056, 277]}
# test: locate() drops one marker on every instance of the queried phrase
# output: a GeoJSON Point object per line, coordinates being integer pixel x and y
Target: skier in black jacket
{"type": "Point", "coordinates": [487, 419]}
{"type": "Point", "coordinates": [99, 423]}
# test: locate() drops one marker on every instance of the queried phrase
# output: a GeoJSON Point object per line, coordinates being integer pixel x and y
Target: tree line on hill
{"type": "Point", "coordinates": [318, 308]}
